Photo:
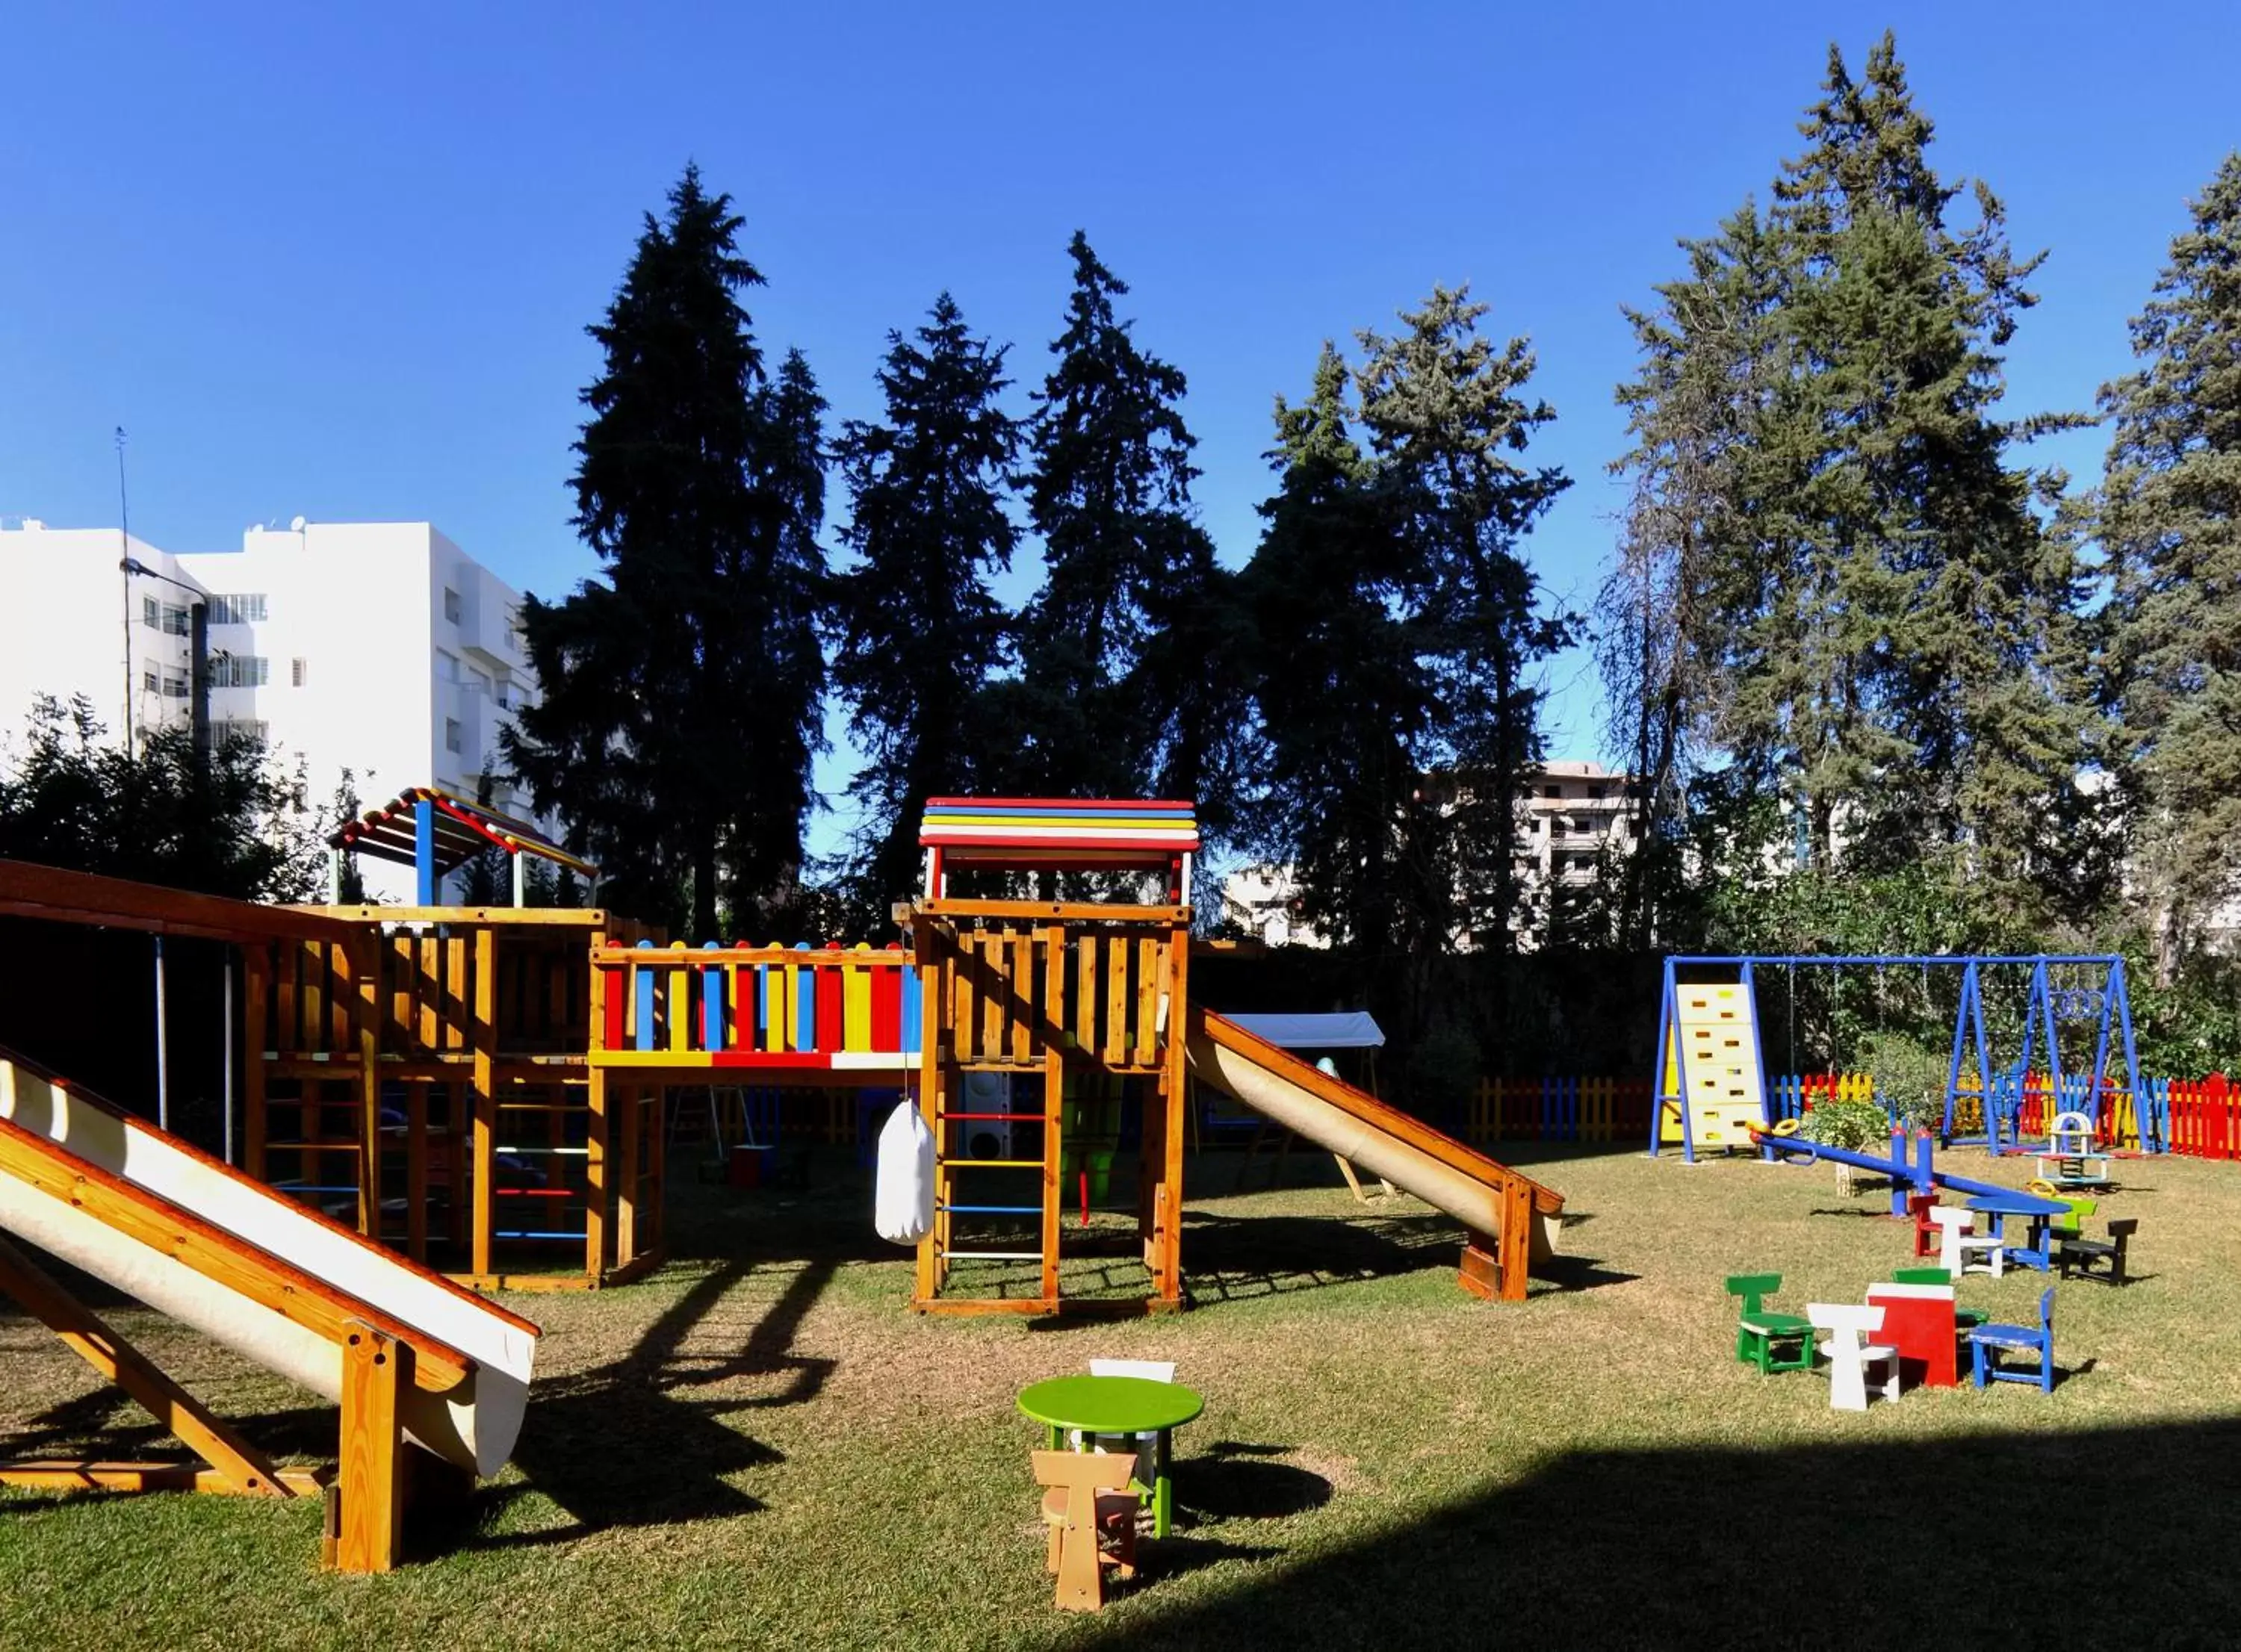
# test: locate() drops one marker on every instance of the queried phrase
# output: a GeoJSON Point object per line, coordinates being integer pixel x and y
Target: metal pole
{"type": "Point", "coordinates": [163, 1061]}
{"type": "Point", "coordinates": [225, 1045]}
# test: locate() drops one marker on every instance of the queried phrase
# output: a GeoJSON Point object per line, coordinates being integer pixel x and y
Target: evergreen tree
{"type": "Point", "coordinates": [1877, 627]}
{"type": "Point", "coordinates": [2168, 521]}
{"type": "Point", "coordinates": [1711, 366]}
{"type": "Point", "coordinates": [1445, 416]}
{"type": "Point", "coordinates": [680, 691]}
{"type": "Point", "coordinates": [1108, 492]}
{"type": "Point", "coordinates": [232, 821]}
{"type": "Point", "coordinates": [1345, 703]}
{"type": "Point", "coordinates": [919, 632]}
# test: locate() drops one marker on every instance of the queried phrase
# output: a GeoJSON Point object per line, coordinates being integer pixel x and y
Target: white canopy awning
{"type": "Point", "coordinates": [1339, 1030]}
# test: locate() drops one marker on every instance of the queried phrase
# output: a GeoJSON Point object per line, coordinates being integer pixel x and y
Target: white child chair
{"type": "Point", "coordinates": [1961, 1250]}
{"type": "Point", "coordinates": [1144, 1445]}
{"type": "Point", "coordinates": [1849, 1354]}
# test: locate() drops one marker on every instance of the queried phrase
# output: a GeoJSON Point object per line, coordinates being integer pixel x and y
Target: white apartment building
{"type": "Point", "coordinates": [1571, 813]}
{"type": "Point", "coordinates": [378, 647]}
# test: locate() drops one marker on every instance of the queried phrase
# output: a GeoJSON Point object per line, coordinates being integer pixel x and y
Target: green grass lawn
{"type": "Point", "coordinates": [761, 1446]}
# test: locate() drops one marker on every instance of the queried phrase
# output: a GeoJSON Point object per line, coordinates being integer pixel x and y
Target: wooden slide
{"type": "Point", "coordinates": [407, 1353]}
{"type": "Point", "coordinates": [1512, 1219]}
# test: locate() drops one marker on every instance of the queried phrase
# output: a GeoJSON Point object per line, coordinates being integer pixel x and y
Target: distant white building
{"type": "Point", "coordinates": [378, 647]}
{"type": "Point", "coordinates": [1575, 821]}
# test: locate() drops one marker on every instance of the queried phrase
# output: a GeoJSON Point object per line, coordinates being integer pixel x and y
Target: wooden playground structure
{"type": "Point", "coordinates": [483, 1088]}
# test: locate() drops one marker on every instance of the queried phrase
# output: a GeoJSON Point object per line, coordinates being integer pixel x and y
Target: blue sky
{"type": "Point", "coordinates": [339, 265]}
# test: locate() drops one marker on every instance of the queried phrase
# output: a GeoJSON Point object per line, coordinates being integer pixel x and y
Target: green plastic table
{"type": "Point", "coordinates": [1118, 1405]}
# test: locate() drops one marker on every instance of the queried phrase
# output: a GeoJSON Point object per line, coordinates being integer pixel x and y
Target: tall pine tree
{"type": "Point", "coordinates": [1446, 417]}
{"type": "Point", "coordinates": [678, 714]}
{"type": "Point", "coordinates": [2168, 521]}
{"type": "Point", "coordinates": [919, 632]}
{"type": "Point", "coordinates": [1874, 624]}
{"type": "Point", "coordinates": [1098, 709]}
{"type": "Point", "coordinates": [1345, 702]}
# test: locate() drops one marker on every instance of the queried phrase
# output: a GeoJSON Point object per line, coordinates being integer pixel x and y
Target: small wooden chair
{"type": "Point", "coordinates": [1088, 1502]}
{"type": "Point", "coordinates": [1960, 1244]}
{"type": "Point", "coordinates": [1770, 1341]}
{"type": "Point", "coordinates": [1919, 1206]}
{"type": "Point", "coordinates": [2079, 1257]}
{"type": "Point", "coordinates": [1849, 1354]}
{"type": "Point", "coordinates": [1988, 1342]}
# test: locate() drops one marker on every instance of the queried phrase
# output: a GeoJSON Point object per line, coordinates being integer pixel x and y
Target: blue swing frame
{"type": "Point", "coordinates": [2109, 1004]}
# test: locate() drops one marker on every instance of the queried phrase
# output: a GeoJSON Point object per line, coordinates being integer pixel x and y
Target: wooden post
{"type": "Point", "coordinates": [654, 1217]}
{"type": "Point", "coordinates": [376, 1370]}
{"type": "Point", "coordinates": [933, 1038]}
{"type": "Point", "coordinates": [626, 1244]}
{"type": "Point", "coordinates": [416, 1170]}
{"type": "Point", "coordinates": [483, 1029]}
{"type": "Point", "coordinates": [365, 961]}
{"type": "Point", "coordinates": [253, 973]}
{"type": "Point", "coordinates": [1517, 1238]}
{"type": "Point", "coordinates": [1054, 1037]}
{"type": "Point", "coordinates": [1174, 1085]}
{"type": "Point", "coordinates": [595, 1125]}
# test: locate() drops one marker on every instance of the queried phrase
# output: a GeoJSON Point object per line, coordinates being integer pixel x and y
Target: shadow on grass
{"type": "Point", "coordinates": [1673, 1547]}
{"type": "Point", "coordinates": [1233, 1480]}
{"type": "Point", "coordinates": [1235, 1258]}
{"type": "Point", "coordinates": [681, 1448]}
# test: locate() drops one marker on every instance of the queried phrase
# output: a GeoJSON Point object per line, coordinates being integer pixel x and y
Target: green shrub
{"type": "Point", "coordinates": [1909, 1078]}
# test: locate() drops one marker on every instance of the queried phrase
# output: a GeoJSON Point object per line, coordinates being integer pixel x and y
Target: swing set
{"type": "Point", "coordinates": [1711, 1078]}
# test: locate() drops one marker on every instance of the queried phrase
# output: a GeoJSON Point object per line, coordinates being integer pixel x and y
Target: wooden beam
{"type": "Point", "coordinates": [54, 896]}
{"type": "Point", "coordinates": [1175, 1091]}
{"type": "Point", "coordinates": [244, 1467]}
{"type": "Point", "coordinates": [1043, 911]}
{"type": "Point", "coordinates": [505, 917]}
{"type": "Point", "coordinates": [376, 1369]}
{"type": "Point", "coordinates": [88, 1474]}
{"type": "Point", "coordinates": [633, 1120]}
{"type": "Point", "coordinates": [416, 1170]}
{"type": "Point", "coordinates": [482, 1028]}
{"type": "Point", "coordinates": [926, 950]}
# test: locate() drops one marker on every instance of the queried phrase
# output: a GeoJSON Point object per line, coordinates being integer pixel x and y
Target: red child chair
{"type": "Point", "coordinates": [1919, 1206]}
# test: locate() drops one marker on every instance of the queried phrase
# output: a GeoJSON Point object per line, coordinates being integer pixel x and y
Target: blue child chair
{"type": "Point", "coordinates": [1988, 1342]}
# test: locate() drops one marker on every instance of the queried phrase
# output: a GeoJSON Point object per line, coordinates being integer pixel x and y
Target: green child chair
{"type": "Point", "coordinates": [1965, 1320]}
{"type": "Point", "coordinates": [1769, 1340]}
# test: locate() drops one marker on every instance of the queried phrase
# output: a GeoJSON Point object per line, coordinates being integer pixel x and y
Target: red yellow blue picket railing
{"type": "Point", "coordinates": [827, 1014]}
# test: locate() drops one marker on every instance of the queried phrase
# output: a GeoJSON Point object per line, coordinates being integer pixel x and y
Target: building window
{"type": "Point", "coordinates": [1595, 793]}
{"type": "Point", "coordinates": [241, 610]}
{"type": "Point", "coordinates": [447, 666]}
{"type": "Point", "coordinates": [151, 683]}
{"type": "Point", "coordinates": [151, 613]}
{"type": "Point", "coordinates": [452, 734]}
{"type": "Point", "coordinates": [165, 617]}
{"type": "Point", "coordinates": [451, 605]}
{"type": "Point", "coordinates": [175, 685]}
{"type": "Point", "coordinates": [299, 669]}
{"type": "Point", "coordinates": [1552, 791]}
{"type": "Point", "coordinates": [226, 729]}
{"type": "Point", "coordinates": [240, 671]}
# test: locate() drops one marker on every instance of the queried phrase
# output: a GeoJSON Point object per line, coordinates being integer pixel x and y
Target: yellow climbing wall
{"type": "Point", "coordinates": [1717, 1031]}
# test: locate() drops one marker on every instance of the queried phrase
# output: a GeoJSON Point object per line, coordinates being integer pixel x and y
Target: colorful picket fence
{"type": "Point", "coordinates": [2198, 1117]}
{"type": "Point", "coordinates": [1558, 1109]}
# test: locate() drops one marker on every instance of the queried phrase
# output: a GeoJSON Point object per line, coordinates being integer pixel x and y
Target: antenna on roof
{"type": "Point", "coordinates": [123, 557]}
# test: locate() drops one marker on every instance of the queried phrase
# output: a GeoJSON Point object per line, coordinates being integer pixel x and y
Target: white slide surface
{"type": "Point", "coordinates": [1366, 1132]}
{"type": "Point", "coordinates": [238, 1255]}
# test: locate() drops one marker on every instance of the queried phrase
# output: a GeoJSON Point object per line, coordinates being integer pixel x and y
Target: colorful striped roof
{"type": "Point", "coordinates": [1099, 830]}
